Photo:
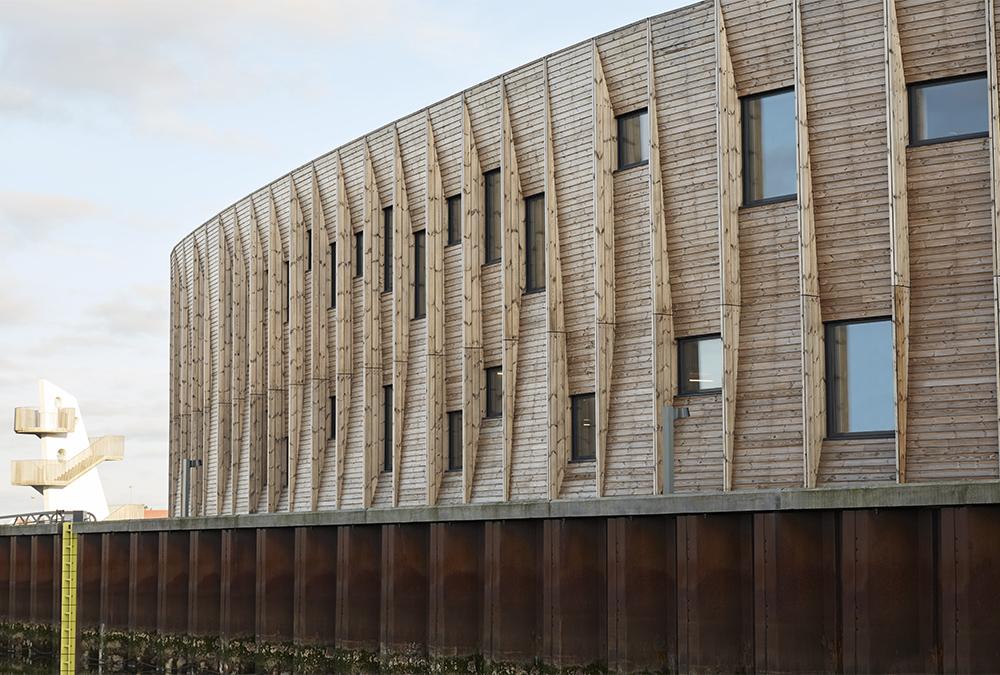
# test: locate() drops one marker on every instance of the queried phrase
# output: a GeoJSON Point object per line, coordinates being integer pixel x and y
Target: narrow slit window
{"type": "Point", "coordinates": [333, 275]}
{"type": "Point", "coordinates": [332, 418]}
{"type": "Point", "coordinates": [288, 291]}
{"type": "Point", "coordinates": [454, 206]}
{"type": "Point", "coordinates": [455, 440]}
{"type": "Point", "coordinates": [769, 156]}
{"type": "Point", "coordinates": [584, 438]}
{"type": "Point", "coordinates": [387, 261]}
{"type": "Point", "coordinates": [534, 254]}
{"type": "Point", "coordinates": [494, 392]}
{"type": "Point", "coordinates": [419, 275]}
{"type": "Point", "coordinates": [491, 236]}
{"type": "Point", "coordinates": [309, 250]}
{"type": "Point", "coordinates": [359, 254]}
{"type": "Point", "coordinates": [387, 428]}
{"type": "Point", "coordinates": [633, 139]}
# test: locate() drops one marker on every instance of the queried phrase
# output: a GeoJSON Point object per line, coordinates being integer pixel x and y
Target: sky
{"type": "Point", "coordinates": [126, 124]}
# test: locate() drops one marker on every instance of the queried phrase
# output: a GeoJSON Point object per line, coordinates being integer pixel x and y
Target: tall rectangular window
{"type": "Point", "coordinates": [633, 138]}
{"type": "Point", "coordinates": [333, 275]}
{"type": "Point", "coordinates": [288, 291]}
{"type": "Point", "coordinates": [359, 254]}
{"type": "Point", "coordinates": [419, 275]}
{"type": "Point", "coordinates": [332, 418]}
{"type": "Point", "coordinates": [455, 440]}
{"type": "Point", "coordinates": [494, 392]}
{"type": "Point", "coordinates": [949, 109]}
{"type": "Point", "coordinates": [454, 214]}
{"type": "Point", "coordinates": [309, 250]}
{"type": "Point", "coordinates": [859, 378]}
{"type": "Point", "coordinates": [769, 157]}
{"type": "Point", "coordinates": [491, 179]}
{"type": "Point", "coordinates": [387, 428]}
{"type": "Point", "coordinates": [700, 365]}
{"type": "Point", "coordinates": [534, 254]}
{"type": "Point", "coordinates": [583, 437]}
{"type": "Point", "coordinates": [387, 249]}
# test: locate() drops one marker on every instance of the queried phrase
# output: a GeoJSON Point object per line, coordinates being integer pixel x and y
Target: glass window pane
{"type": "Point", "coordinates": [333, 275]}
{"type": "Point", "coordinates": [860, 377]}
{"type": "Point", "coordinates": [700, 365]}
{"type": "Point", "coordinates": [454, 219]}
{"type": "Point", "coordinates": [952, 108]}
{"type": "Point", "coordinates": [633, 139]}
{"type": "Point", "coordinates": [583, 437]}
{"type": "Point", "coordinates": [419, 276]}
{"type": "Point", "coordinates": [493, 198]}
{"type": "Point", "coordinates": [494, 392]}
{"type": "Point", "coordinates": [387, 428]}
{"type": "Point", "coordinates": [387, 250]}
{"type": "Point", "coordinates": [534, 259]}
{"type": "Point", "coordinates": [769, 146]}
{"type": "Point", "coordinates": [359, 254]}
{"type": "Point", "coordinates": [455, 440]}
{"type": "Point", "coordinates": [332, 418]}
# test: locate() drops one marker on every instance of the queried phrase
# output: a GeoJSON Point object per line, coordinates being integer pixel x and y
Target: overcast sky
{"type": "Point", "coordinates": [124, 125]}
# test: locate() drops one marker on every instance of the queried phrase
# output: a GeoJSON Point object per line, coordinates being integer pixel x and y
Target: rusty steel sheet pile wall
{"type": "Point", "coordinates": [636, 258]}
{"type": "Point", "coordinates": [905, 589]}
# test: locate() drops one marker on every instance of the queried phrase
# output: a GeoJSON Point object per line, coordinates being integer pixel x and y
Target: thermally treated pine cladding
{"type": "Point", "coordinates": [280, 351]}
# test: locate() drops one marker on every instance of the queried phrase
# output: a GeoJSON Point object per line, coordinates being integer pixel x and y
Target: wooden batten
{"type": "Point", "coordinates": [372, 332]}
{"type": "Point", "coordinates": [605, 147]}
{"type": "Point", "coordinates": [201, 384]}
{"type": "Point", "coordinates": [240, 297]}
{"type": "Point", "coordinates": [664, 377]}
{"type": "Point", "coordinates": [186, 395]}
{"type": "Point", "coordinates": [176, 366]}
{"type": "Point", "coordinates": [472, 308]}
{"type": "Point", "coordinates": [899, 233]}
{"type": "Point", "coordinates": [320, 374]}
{"type": "Point", "coordinates": [811, 315]}
{"type": "Point", "coordinates": [994, 130]}
{"type": "Point", "coordinates": [296, 337]}
{"type": "Point", "coordinates": [277, 391]}
{"type": "Point", "coordinates": [402, 244]}
{"type": "Point", "coordinates": [345, 323]}
{"type": "Point", "coordinates": [257, 319]}
{"type": "Point", "coordinates": [435, 393]}
{"type": "Point", "coordinates": [728, 152]}
{"type": "Point", "coordinates": [557, 382]}
{"type": "Point", "coordinates": [513, 281]}
{"type": "Point", "coordinates": [224, 415]}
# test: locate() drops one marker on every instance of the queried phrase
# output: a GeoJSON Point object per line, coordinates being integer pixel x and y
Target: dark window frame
{"type": "Point", "coordinates": [487, 237]}
{"type": "Point", "coordinates": [309, 250]}
{"type": "Point", "coordinates": [911, 116]}
{"type": "Point", "coordinates": [619, 119]}
{"type": "Point", "coordinates": [447, 216]}
{"type": "Point", "coordinates": [574, 413]}
{"type": "Point", "coordinates": [333, 275]}
{"type": "Point", "coordinates": [332, 433]}
{"type": "Point", "coordinates": [681, 391]}
{"type": "Point", "coordinates": [388, 264]}
{"type": "Point", "coordinates": [387, 428]}
{"type": "Point", "coordinates": [288, 291]}
{"type": "Point", "coordinates": [451, 416]}
{"type": "Point", "coordinates": [487, 413]}
{"type": "Point", "coordinates": [359, 255]}
{"type": "Point", "coordinates": [420, 274]}
{"type": "Point", "coordinates": [828, 364]}
{"type": "Point", "coordinates": [744, 155]}
{"type": "Point", "coordinates": [528, 256]}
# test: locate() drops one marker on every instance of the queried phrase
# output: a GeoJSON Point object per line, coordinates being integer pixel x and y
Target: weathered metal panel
{"type": "Point", "coordinates": [172, 581]}
{"type": "Point", "coordinates": [456, 588]}
{"type": "Point", "coordinates": [204, 582]}
{"type": "Point", "coordinates": [315, 584]}
{"type": "Point", "coordinates": [239, 583]}
{"type": "Point", "coordinates": [144, 550]}
{"type": "Point", "coordinates": [512, 611]}
{"type": "Point", "coordinates": [275, 583]}
{"type": "Point", "coordinates": [359, 568]}
{"type": "Point", "coordinates": [404, 587]}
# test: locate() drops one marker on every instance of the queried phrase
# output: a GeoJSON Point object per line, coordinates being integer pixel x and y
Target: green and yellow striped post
{"type": "Point", "coordinates": [67, 613]}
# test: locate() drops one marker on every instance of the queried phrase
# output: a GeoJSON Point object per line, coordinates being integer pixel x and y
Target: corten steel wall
{"type": "Point", "coordinates": [896, 589]}
{"type": "Point", "coordinates": [250, 387]}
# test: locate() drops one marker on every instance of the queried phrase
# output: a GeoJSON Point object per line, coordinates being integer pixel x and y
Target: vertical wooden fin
{"type": "Point", "coordinates": [186, 383]}
{"type": "Point", "coordinates": [472, 326]}
{"type": "Point", "coordinates": [664, 377]}
{"type": "Point", "coordinates": [296, 337]}
{"type": "Point", "coordinates": [402, 244]}
{"type": "Point", "coordinates": [605, 140]}
{"type": "Point", "coordinates": [811, 315]}
{"type": "Point", "coordinates": [322, 269]}
{"type": "Point", "coordinates": [435, 319]}
{"type": "Point", "coordinates": [994, 103]}
{"type": "Point", "coordinates": [224, 312]}
{"type": "Point", "coordinates": [202, 383]}
{"type": "Point", "coordinates": [257, 319]}
{"type": "Point", "coordinates": [176, 368]}
{"type": "Point", "coordinates": [277, 392]}
{"type": "Point", "coordinates": [729, 168]}
{"type": "Point", "coordinates": [372, 332]}
{"type": "Point", "coordinates": [513, 281]}
{"type": "Point", "coordinates": [240, 303]}
{"type": "Point", "coordinates": [899, 232]}
{"type": "Point", "coordinates": [345, 323]}
{"type": "Point", "coordinates": [558, 377]}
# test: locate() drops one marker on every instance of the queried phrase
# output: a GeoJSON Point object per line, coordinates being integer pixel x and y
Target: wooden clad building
{"type": "Point", "coordinates": [746, 244]}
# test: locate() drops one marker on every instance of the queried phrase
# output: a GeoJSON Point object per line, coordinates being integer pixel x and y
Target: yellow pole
{"type": "Point", "coordinates": [67, 615]}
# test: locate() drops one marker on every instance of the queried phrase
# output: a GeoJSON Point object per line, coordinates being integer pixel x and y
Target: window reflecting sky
{"type": "Point", "coordinates": [865, 382]}
{"type": "Point", "coordinates": [770, 163]}
{"type": "Point", "coordinates": [949, 109]}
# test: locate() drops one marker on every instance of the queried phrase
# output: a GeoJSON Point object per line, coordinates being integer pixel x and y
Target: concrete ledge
{"type": "Point", "coordinates": [881, 496]}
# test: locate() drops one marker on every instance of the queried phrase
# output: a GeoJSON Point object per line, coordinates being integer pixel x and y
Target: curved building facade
{"type": "Point", "coordinates": [746, 244]}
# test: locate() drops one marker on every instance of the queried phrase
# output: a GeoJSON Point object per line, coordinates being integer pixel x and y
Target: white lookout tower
{"type": "Point", "coordinates": [66, 474]}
